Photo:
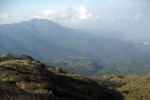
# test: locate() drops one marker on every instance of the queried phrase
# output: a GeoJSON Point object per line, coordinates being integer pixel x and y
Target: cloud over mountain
{"type": "Point", "coordinates": [66, 14]}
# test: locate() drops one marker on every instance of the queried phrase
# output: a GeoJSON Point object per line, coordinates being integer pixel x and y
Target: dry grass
{"type": "Point", "coordinates": [34, 82]}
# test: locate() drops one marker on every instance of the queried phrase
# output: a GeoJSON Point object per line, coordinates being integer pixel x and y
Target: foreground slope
{"type": "Point", "coordinates": [132, 87]}
{"type": "Point", "coordinates": [21, 77]}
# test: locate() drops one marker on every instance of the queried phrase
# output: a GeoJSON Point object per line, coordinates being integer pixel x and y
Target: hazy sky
{"type": "Point", "coordinates": [128, 16]}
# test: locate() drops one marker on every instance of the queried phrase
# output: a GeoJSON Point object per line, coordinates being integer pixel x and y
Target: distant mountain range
{"type": "Point", "coordinates": [50, 42]}
{"type": "Point", "coordinates": [47, 39]}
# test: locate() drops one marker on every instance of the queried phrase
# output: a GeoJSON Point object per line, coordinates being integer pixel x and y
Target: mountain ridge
{"type": "Point", "coordinates": [48, 42]}
{"type": "Point", "coordinates": [60, 36]}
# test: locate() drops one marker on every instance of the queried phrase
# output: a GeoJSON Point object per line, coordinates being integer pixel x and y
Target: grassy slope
{"type": "Point", "coordinates": [132, 87]}
{"type": "Point", "coordinates": [26, 79]}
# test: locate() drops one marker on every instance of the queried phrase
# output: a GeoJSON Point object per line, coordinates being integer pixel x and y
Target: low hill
{"type": "Point", "coordinates": [22, 77]}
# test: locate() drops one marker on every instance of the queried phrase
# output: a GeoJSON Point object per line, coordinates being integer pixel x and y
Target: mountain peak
{"type": "Point", "coordinates": [39, 19]}
{"type": "Point", "coordinates": [43, 22]}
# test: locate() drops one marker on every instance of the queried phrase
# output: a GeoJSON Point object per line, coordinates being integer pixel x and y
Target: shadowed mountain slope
{"type": "Point", "coordinates": [28, 79]}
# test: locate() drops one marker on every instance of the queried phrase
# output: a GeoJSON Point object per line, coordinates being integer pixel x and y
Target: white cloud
{"type": "Point", "coordinates": [80, 14]}
{"type": "Point", "coordinates": [113, 20]}
{"type": "Point", "coordinates": [138, 17]}
{"type": "Point", "coordinates": [66, 14]}
{"type": "Point", "coordinates": [124, 16]}
{"type": "Point", "coordinates": [46, 14]}
{"type": "Point", "coordinates": [3, 18]}
{"type": "Point", "coordinates": [6, 18]}
{"type": "Point", "coordinates": [83, 13]}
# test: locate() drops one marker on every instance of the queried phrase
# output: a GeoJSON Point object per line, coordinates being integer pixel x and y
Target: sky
{"type": "Point", "coordinates": [131, 17]}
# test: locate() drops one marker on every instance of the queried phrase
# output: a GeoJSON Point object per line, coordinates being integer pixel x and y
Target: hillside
{"type": "Point", "coordinates": [132, 87]}
{"type": "Point", "coordinates": [22, 77]}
